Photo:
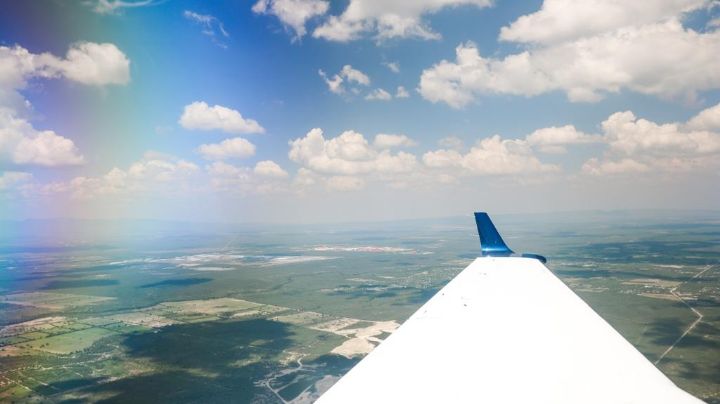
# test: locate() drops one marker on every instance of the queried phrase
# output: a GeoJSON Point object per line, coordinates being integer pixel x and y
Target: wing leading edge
{"type": "Point", "coordinates": [505, 330]}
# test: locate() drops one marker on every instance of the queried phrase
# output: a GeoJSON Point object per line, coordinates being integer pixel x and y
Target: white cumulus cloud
{"type": "Point", "coordinates": [20, 143]}
{"type": "Point", "coordinates": [93, 64]}
{"type": "Point", "coordinates": [554, 139]}
{"type": "Point", "coordinates": [153, 173]}
{"type": "Point", "coordinates": [159, 175]}
{"type": "Point", "coordinates": [393, 66]}
{"type": "Point", "coordinates": [347, 75]}
{"type": "Point", "coordinates": [378, 94]}
{"type": "Point", "coordinates": [596, 166]}
{"type": "Point", "coordinates": [401, 92]}
{"type": "Point", "coordinates": [387, 19]}
{"type": "Point", "coordinates": [85, 62]}
{"type": "Point", "coordinates": [587, 68]}
{"type": "Point", "coordinates": [88, 63]}
{"type": "Point", "coordinates": [334, 83]}
{"type": "Point", "coordinates": [387, 141]}
{"type": "Point", "coordinates": [354, 75]}
{"type": "Point", "coordinates": [268, 168]}
{"type": "Point", "coordinates": [561, 20]}
{"type": "Point", "coordinates": [9, 179]}
{"type": "Point", "coordinates": [265, 178]}
{"type": "Point", "coordinates": [347, 154]}
{"type": "Point", "coordinates": [227, 149]}
{"type": "Point", "coordinates": [640, 145]}
{"type": "Point", "coordinates": [200, 116]}
{"type": "Point", "coordinates": [490, 156]}
{"type": "Point", "coordinates": [114, 6]}
{"type": "Point", "coordinates": [707, 119]}
{"type": "Point", "coordinates": [292, 13]}
{"type": "Point", "coordinates": [627, 134]}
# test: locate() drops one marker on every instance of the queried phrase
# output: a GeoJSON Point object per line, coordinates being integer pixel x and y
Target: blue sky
{"type": "Point", "coordinates": [218, 110]}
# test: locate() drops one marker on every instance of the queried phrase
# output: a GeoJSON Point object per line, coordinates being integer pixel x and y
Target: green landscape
{"type": "Point", "coordinates": [265, 314]}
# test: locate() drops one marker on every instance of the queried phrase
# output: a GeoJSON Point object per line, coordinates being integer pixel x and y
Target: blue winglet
{"type": "Point", "coordinates": [491, 244]}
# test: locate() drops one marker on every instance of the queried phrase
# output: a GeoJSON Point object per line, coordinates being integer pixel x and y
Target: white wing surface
{"type": "Point", "coordinates": [505, 330]}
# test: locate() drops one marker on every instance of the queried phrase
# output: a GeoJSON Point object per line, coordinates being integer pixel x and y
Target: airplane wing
{"type": "Point", "coordinates": [505, 330]}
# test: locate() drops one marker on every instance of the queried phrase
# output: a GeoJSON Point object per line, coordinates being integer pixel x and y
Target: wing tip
{"type": "Point", "coordinates": [492, 244]}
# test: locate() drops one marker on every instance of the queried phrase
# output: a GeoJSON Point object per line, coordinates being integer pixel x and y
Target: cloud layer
{"type": "Point", "coordinates": [625, 146]}
{"type": "Point", "coordinates": [161, 176]}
